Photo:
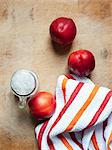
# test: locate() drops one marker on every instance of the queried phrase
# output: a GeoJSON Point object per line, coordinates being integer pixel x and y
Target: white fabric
{"type": "Point", "coordinates": [68, 128]}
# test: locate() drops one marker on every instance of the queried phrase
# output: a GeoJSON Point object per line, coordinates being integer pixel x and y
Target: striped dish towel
{"type": "Point", "coordinates": [82, 120]}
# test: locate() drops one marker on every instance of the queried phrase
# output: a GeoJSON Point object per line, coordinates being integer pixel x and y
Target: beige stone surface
{"type": "Point", "coordinates": [25, 43]}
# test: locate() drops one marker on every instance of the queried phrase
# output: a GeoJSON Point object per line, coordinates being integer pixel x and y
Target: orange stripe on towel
{"type": "Point", "coordinates": [94, 141]}
{"type": "Point", "coordinates": [65, 142]}
{"type": "Point", "coordinates": [109, 141]}
{"type": "Point", "coordinates": [81, 111]}
{"type": "Point", "coordinates": [64, 88]}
